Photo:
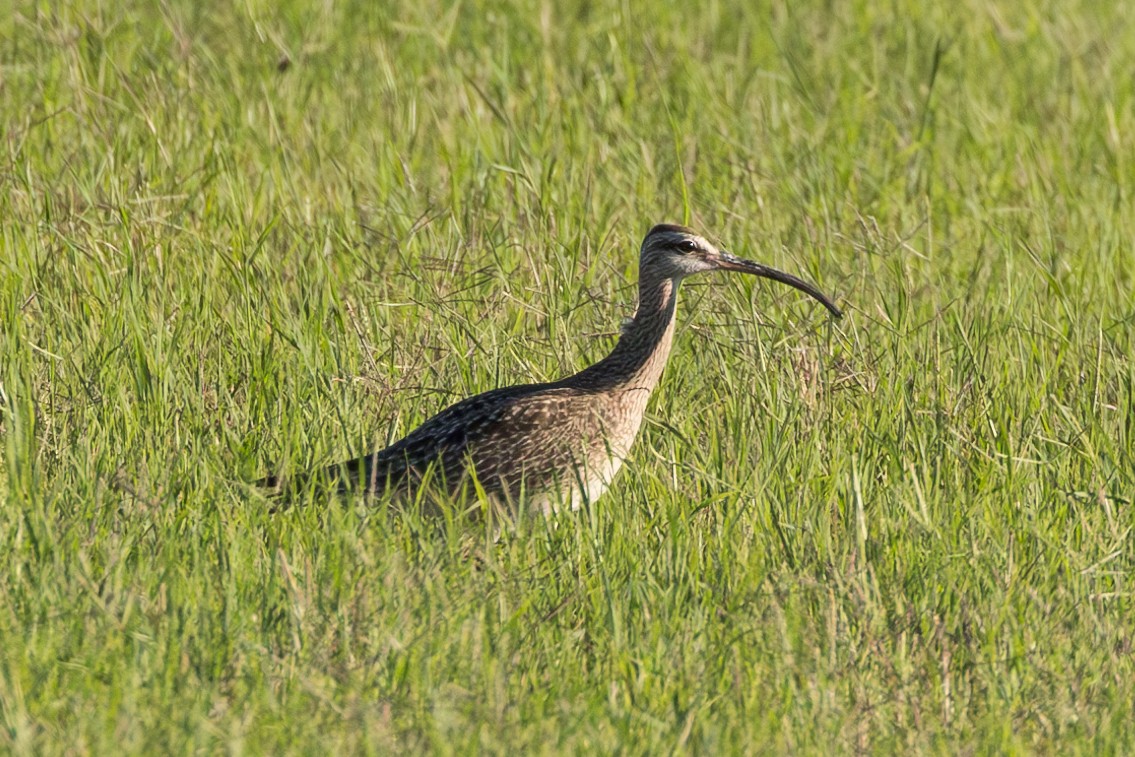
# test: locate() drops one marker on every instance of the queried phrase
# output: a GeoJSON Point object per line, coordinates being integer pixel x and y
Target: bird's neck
{"type": "Point", "coordinates": [641, 353]}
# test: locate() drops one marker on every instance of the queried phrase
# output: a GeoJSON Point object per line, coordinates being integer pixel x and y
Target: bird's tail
{"type": "Point", "coordinates": [268, 482]}
{"type": "Point", "coordinates": [341, 477]}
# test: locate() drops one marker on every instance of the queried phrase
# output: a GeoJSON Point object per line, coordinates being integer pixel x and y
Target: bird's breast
{"type": "Point", "coordinates": [597, 452]}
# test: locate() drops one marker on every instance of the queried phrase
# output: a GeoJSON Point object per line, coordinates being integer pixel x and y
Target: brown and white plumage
{"type": "Point", "coordinates": [543, 447]}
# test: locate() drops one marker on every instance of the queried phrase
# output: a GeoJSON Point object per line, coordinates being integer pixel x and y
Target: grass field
{"type": "Point", "coordinates": [240, 237]}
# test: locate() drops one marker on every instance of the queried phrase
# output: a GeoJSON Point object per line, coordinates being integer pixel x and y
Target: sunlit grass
{"type": "Point", "coordinates": [249, 237]}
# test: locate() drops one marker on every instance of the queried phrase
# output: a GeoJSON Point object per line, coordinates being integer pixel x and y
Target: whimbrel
{"type": "Point", "coordinates": [543, 447]}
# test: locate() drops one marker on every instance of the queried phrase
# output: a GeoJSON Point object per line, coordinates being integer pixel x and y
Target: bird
{"type": "Point", "coordinates": [547, 447]}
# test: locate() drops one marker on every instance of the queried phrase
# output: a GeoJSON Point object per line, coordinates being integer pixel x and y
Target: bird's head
{"type": "Point", "coordinates": [674, 252]}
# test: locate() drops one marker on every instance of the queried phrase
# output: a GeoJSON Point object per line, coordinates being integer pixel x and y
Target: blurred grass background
{"type": "Point", "coordinates": [264, 234]}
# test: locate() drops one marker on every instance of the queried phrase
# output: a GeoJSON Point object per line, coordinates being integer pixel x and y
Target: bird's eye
{"type": "Point", "coordinates": [688, 245]}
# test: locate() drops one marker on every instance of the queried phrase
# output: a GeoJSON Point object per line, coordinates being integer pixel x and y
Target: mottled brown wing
{"type": "Point", "coordinates": [533, 441]}
{"type": "Point", "coordinates": [492, 430]}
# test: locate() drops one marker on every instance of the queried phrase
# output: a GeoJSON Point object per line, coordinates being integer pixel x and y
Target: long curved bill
{"type": "Point", "coordinates": [733, 263]}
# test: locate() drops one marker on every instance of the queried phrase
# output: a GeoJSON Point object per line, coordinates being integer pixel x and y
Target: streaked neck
{"type": "Point", "coordinates": [641, 352]}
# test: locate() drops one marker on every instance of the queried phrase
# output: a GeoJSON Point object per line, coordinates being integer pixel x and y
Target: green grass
{"type": "Point", "coordinates": [909, 530]}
